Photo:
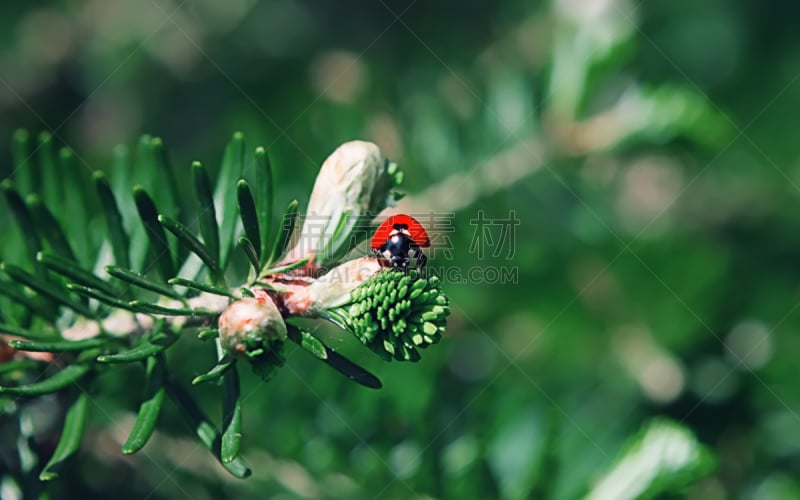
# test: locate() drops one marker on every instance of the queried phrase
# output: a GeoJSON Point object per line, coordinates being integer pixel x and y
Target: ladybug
{"type": "Point", "coordinates": [397, 237]}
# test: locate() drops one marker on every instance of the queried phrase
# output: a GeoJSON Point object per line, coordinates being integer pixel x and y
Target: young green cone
{"type": "Point", "coordinates": [394, 313]}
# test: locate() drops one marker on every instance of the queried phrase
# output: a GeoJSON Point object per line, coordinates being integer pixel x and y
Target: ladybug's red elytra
{"type": "Point", "coordinates": [398, 238]}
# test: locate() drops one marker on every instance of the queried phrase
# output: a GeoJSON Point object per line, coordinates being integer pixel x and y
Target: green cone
{"type": "Point", "coordinates": [396, 313]}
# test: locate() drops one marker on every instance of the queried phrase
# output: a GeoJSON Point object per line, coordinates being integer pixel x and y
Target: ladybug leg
{"type": "Point", "coordinates": [379, 254]}
{"type": "Point", "coordinates": [420, 257]}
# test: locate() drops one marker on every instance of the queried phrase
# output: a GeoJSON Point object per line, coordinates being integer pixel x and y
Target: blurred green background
{"type": "Point", "coordinates": [615, 186]}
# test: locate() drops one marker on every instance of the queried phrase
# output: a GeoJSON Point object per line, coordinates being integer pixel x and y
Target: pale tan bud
{"type": "Point", "coordinates": [331, 289]}
{"type": "Point", "coordinates": [250, 323]}
{"type": "Point", "coordinates": [353, 185]}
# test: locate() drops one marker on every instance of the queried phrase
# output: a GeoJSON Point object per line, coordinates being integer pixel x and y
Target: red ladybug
{"type": "Point", "coordinates": [397, 237]}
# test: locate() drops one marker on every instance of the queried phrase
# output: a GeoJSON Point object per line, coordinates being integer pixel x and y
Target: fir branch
{"type": "Point", "coordinates": [109, 322]}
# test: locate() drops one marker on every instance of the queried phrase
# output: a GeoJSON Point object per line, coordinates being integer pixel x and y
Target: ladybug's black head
{"type": "Point", "coordinates": [396, 249]}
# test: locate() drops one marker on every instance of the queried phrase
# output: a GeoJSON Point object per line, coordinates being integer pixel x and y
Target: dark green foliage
{"type": "Point", "coordinates": [47, 289]}
{"type": "Point", "coordinates": [231, 416]}
{"type": "Point", "coordinates": [195, 245]}
{"type": "Point", "coordinates": [264, 200]}
{"type": "Point", "coordinates": [642, 153]}
{"type": "Point", "coordinates": [208, 434]}
{"type": "Point", "coordinates": [216, 373]}
{"type": "Point", "coordinates": [336, 361]}
{"type": "Point", "coordinates": [231, 171]}
{"type": "Point", "coordinates": [159, 339]}
{"type": "Point", "coordinates": [60, 380]}
{"type": "Point", "coordinates": [286, 268]}
{"type": "Point", "coordinates": [58, 345]}
{"type": "Point", "coordinates": [116, 230]}
{"type": "Point", "coordinates": [50, 229]}
{"type": "Point", "coordinates": [71, 435]}
{"type": "Point", "coordinates": [247, 210]}
{"type": "Point", "coordinates": [70, 270]}
{"type": "Point", "coordinates": [207, 218]}
{"type": "Point", "coordinates": [155, 233]}
{"type": "Point", "coordinates": [23, 218]}
{"type": "Point", "coordinates": [251, 253]}
{"type": "Point", "coordinates": [203, 287]}
{"type": "Point", "coordinates": [62, 280]}
{"type": "Point", "coordinates": [150, 407]}
{"type": "Point", "coordinates": [285, 230]}
{"type": "Point", "coordinates": [142, 281]}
